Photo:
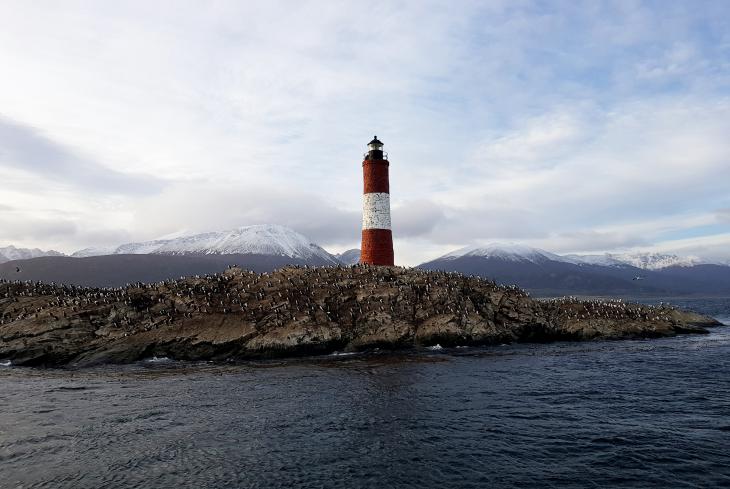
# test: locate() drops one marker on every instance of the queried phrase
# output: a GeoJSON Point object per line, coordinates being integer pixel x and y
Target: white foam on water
{"type": "Point", "coordinates": [436, 347]}
{"type": "Point", "coordinates": [158, 360]}
{"type": "Point", "coordinates": [6, 363]}
{"type": "Point", "coordinates": [343, 353]}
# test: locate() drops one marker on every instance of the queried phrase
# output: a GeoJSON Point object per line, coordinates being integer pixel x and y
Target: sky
{"type": "Point", "coordinates": [577, 127]}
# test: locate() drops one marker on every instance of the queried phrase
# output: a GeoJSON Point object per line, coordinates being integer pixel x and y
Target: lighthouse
{"type": "Point", "coordinates": [377, 237]}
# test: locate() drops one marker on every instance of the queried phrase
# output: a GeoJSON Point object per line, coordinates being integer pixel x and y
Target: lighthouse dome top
{"type": "Point", "coordinates": [375, 143]}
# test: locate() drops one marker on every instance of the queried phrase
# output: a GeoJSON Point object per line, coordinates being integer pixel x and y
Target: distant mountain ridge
{"type": "Point", "coordinates": [267, 247]}
{"type": "Point", "coordinates": [265, 239]}
{"type": "Point", "coordinates": [547, 273]}
{"type": "Point", "coordinates": [10, 253]}
{"type": "Point", "coordinates": [349, 257]}
{"type": "Point", "coordinates": [509, 252]}
{"type": "Point", "coordinates": [516, 252]}
{"type": "Point", "coordinates": [657, 261]}
{"type": "Point", "coordinates": [261, 248]}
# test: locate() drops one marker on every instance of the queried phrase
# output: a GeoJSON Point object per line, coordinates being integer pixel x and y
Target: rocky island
{"type": "Point", "coordinates": [239, 314]}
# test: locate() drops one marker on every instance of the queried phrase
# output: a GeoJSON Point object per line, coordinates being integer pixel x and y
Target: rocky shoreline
{"type": "Point", "coordinates": [293, 311]}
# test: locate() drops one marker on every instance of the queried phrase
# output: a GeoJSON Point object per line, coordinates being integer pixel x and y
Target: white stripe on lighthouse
{"type": "Point", "coordinates": [376, 211]}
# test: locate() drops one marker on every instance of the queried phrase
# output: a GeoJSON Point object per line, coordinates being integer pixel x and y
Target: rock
{"type": "Point", "coordinates": [301, 311]}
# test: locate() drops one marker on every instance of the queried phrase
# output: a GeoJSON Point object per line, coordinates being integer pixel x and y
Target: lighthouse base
{"type": "Point", "coordinates": [377, 247]}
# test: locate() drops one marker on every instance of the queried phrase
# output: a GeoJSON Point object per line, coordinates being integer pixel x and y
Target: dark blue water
{"type": "Point", "coordinates": [653, 413]}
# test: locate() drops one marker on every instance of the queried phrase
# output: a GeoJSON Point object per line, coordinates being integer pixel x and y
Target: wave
{"type": "Point", "coordinates": [159, 360]}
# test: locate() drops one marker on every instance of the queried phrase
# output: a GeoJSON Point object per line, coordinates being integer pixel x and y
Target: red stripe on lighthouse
{"type": "Point", "coordinates": [375, 176]}
{"type": "Point", "coordinates": [377, 247]}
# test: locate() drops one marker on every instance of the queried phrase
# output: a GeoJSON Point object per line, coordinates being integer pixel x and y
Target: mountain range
{"type": "Point", "coordinates": [267, 247]}
{"type": "Point", "coordinates": [267, 239]}
{"type": "Point", "coordinates": [550, 274]}
{"type": "Point", "coordinates": [10, 253]}
{"type": "Point", "coordinates": [517, 252]}
{"type": "Point", "coordinates": [261, 248]}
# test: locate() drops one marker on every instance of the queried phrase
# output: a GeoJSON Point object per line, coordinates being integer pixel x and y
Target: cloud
{"type": "Point", "coordinates": [43, 229]}
{"type": "Point", "coordinates": [417, 218]}
{"type": "Point", "coordinates": [574, 126]}
{"type": "Point", "coordinates": [591, 241]}
{"type": "Point", "coordinates": [52, 230]}
{"type": "Point", "coordinates": [25, 148]}
{"type": "Point", "coordinates": [199, 207]}
{"type": "Point", "coordinates": [723, 215]}
{"type": "Point", "coordinates": [713, 248]}
{"type": "Point", "coordinates": [537, 142]}
{"type": "Point", "coordinates": [678, 60]}
{"type": "Point", "coordinates": [640, 161]}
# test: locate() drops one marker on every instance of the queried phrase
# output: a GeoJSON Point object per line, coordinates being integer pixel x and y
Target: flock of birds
{"type": "Point", "coordinates": [610, 309]}
{"type": "Point", "coordinates": [320, 295]}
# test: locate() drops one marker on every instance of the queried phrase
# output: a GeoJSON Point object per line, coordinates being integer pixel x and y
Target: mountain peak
{"type": "Point", "coordinates": [349, 257]}
{"type": "Point", "coordinates": [9, 253]}
{"type": "Point", "coordinates": [518, 252]}
{"type": "Point", "coordinates": [505, 251]}
{"type": "Point", "coordinates": [262, 239]}
{"type": "Point", "coordinates": [655, 261]}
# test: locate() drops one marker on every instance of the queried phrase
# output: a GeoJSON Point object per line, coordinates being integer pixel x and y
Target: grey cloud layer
{"type": "Point", "coordinates": [25, 148]}
{"type": "Point", "coordinates": [723, 215]}
{"type": "Point", "coordinates": [575, 127]}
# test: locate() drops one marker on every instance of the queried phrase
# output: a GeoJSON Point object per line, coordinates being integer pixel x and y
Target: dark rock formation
{"type": "Point", "coordinates": [294, 311]}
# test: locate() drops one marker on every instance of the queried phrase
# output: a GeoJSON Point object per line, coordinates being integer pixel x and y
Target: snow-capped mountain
{"type": "Point", "coordinates": [10, 253]}
{"type": "Point", "coordinates": [656, 261]}
{"type": "Point", "coordinates": [349, 257]}
{"type": "Point", "coordinates": [266, 239]}
{"type": "Point", "coordinates": [605, 260]}
{"type": "Point", "coordinates": [517, 252]}
{"type": "Point", "coordinates": [547, 273]}
{"type": "Point", "coordinates": [96, 251]}
{"type": "Point", "coordinates": [508, 252]}
{"type": "Point", "coordinates": [262, 248]}
{"type": "Point", "coordinates": [643, 260]}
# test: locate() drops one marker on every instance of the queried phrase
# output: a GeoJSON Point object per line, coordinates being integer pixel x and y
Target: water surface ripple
{"type": "Point", "coordinates": [653, 413]}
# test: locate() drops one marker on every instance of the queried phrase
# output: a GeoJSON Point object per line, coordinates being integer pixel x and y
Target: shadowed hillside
{"type": "Point", "coordinates": [118, 270]}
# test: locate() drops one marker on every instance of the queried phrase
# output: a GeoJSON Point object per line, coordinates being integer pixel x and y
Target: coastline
{"type": "Point", "coordinates": [239, 315]}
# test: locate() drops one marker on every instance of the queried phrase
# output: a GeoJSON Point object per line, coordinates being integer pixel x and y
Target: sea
{"type": "Point", "coordinates": [604, 414]}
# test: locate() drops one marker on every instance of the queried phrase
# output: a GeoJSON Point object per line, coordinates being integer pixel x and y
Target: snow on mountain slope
{"type": "Point", "coordinates": [605, 260]}
{"type": "Point", "coordinates": [10, 253]}
{"type": "Point", "coordinates": [656, 261]}
{"type": "Point", "coordinates": [643, 260]}
{"type": "Point", "coordinates": [508, 252]}
{"type": "Point", "coordinates": [516, 252]}
{"type": "Point", "coordinates": [99, 251]}
{"type": "Point", "coordinates": [349, 257]}
{"type": "Point", "coordinates": [266, 239]}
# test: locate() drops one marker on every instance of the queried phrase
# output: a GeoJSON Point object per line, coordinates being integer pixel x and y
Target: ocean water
{"type": "Point", "coordinates": [649, 413]}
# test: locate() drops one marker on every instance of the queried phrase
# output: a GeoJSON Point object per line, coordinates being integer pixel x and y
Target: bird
{"type": "Point", "coordinates": [17, 269]}
{"type": "Point", "coordinates": [638, 278]}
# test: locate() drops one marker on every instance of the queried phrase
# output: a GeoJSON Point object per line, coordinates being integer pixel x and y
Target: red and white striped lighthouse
{"type": "Point", "coordinates": [377, 237]}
